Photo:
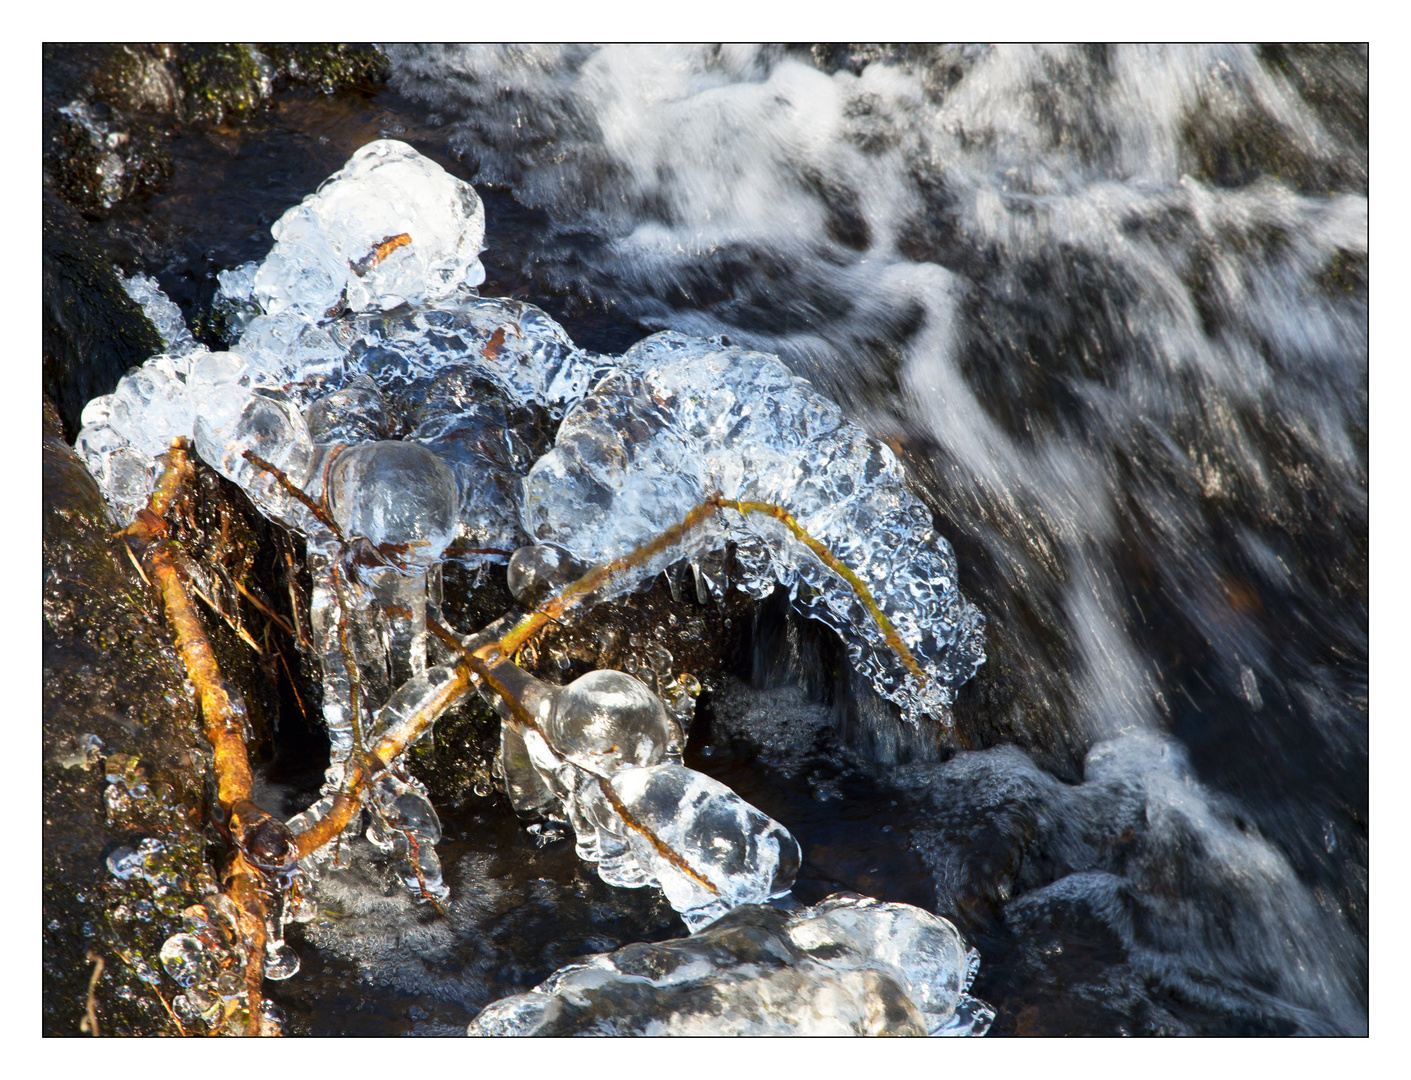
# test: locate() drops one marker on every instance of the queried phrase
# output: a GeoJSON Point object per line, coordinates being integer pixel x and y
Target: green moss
{"type": "Point", "coordinates": [222, 82]}
{"type": "Point", "coordinates": [328, 67]}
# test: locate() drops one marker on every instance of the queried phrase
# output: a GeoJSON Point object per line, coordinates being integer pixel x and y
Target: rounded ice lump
{"type": "Point", "coordinates": [340, 247]}
{"type": "Point", "coordinates": [847, 966]}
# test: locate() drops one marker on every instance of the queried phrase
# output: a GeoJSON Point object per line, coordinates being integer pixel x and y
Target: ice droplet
{"type": "Point", "coordinates": [184, 959]}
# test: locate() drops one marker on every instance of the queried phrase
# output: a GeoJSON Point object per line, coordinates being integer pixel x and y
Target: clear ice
{"type": "Point", "coordinates": [682, 419]}
{"type": "Point", "coordinates": [339, 346]}
{"type": "Point", "coordinates": [847, 966]}
{"type": "Point", "coordinates": [605, 755]}
{"type": "Point", "coordinates": [431, 424]}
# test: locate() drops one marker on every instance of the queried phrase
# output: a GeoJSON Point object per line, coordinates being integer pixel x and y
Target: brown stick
{"type": "Point", "coordinates": [89, 1023]}
{"type": "Point", "coordinates": [663, 849]}
{"type": "Point", "coordinates": [831, 561]}
{"type": "Point", "coordinates": [297, 492]}
{"type": "Point", "coordinates": [221, 709]}
{"type": "Point", "coordinates": [361, 769]}
{"type": "Point", "coordinates": [242, 886]}
{"type": "Point", "coordinates": [553, 609]}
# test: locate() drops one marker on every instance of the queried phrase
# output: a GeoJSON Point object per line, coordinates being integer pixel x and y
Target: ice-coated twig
{"type": "Point", "coordinates": [571, 596]}
{"type": "Point", "coordinates": [485, 673]}
{"type": "Point", "coordinates": [222, 709]}
{"type": "Point", "coordinates": [224, 716]}
{"type": "Point", "coordinates": [754, 506]}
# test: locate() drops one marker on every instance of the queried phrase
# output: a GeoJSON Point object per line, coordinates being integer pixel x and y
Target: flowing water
{"type": "Point", "coordinates": [1109, 307]}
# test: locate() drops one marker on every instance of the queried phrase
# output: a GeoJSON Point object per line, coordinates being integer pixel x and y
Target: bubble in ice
{"type": "Point", "coordinates": [537, 571]}
{"type": "Point", "coordinates": [357, 413]}
{"type": "Point", "coordinates": [125, 863]}
{"type": "Point", "coordinates": [281, 963]}
{"type": "Point", "coordinates": [606, 721]}
{"type": "Point", "coordinates": [184, 958]}
{"type": "Point", "coordinates": [396, 494]}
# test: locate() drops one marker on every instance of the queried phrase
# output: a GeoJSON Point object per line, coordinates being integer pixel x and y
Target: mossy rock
{"type": "Point", "coordinates": [328, 67]}
{"type": "Point", "coordinates": [224, 82]}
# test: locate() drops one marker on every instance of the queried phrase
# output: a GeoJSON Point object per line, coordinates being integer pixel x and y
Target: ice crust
{"type": "Point", "coordinates": [335, 349]}
{"type": "Point", "coordinates": [849, 965]}
{"type": "Point", "coordinates": [683, 419]}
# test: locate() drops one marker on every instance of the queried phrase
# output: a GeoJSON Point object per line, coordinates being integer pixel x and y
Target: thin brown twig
{"type": "Point", "coordinates": [170, 1012]}
{"type": "Point", "coordinates": [889, 633]}
{"type": "Point", "coordinates": [297, 492]}
{"type": "Point", "coordinates": [89, 1023]}
{"type": "Point", "coordinates": [523, 719]}
{"type": "Point", "coordinates": [277, 619]}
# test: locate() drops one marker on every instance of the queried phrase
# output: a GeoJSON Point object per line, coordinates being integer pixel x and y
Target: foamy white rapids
{"type": "Point", "coordinates": [363, 311]}
{"type": "Point", "coordinates": [913, 231]}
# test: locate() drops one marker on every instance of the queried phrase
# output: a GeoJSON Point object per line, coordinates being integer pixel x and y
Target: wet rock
{"type": "Point", "coordinates": [122, 767]}
{"type": "Point", "coordinates": [328, 67]}
{"type": "Point", "coordinates": [111, 110]}
{"type": "Point", "coordinates": [224, 81]}
{"type": "Point", "coordinates": [93, 331]}
{"type": "Point", "coordinates": [106, 121]}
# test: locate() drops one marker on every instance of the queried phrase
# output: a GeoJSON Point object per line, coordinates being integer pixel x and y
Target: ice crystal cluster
{"type": "Point", "coordinates": [682, 419]}
{"type": "Point", "coordinates": [605, 755]}
{"type": "Point", "coordinates": [373, 402]}
{"type": "Point", "coordinates": [362, 326]}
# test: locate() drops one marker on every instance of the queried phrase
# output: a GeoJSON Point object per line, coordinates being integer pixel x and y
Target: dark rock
{"type": "Point", "coordinates": [93, 331]}
{"type": "Point", "coordinates": [328, 67]}
{"type": "Point", "coordinates": [123, 759]}
{"type": "Point", "coordinates": [106, 122]}
{"type": "Point", "coordinates": [224, 82]}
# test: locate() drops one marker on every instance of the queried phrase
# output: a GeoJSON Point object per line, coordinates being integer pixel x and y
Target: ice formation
{"type": "Point", "coordinates": [682, 419]}
{"type": "Point", "coordinates": [360, 325]}
{"type": "Point", "coordinates": [375, 404]}
{"type": "Point", "coordinates": [847, 966]}
{"type": "Point", "coordinates": [604, 754]}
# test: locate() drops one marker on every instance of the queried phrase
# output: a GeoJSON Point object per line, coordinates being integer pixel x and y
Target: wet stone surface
{"type": "Point", "coordinates": [123, 767]}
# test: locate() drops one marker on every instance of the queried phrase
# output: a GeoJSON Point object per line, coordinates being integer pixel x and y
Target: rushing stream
{"type": "Point", "coordinates": [1108, 308]}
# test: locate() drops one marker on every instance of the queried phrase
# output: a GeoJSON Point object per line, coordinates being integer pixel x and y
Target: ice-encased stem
{"type": "Point", "coordinates": [752, 506]}
{"type": "Point", "coordinates": [595, 579]}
